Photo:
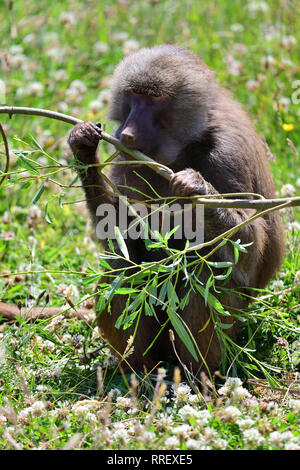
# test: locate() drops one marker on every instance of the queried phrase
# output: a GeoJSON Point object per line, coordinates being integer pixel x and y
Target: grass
{"type": "Point", "coordinates": [52, 393]}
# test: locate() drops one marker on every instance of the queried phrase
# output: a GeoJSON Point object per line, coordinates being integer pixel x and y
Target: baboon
{"type": "Point", "coordinates": [170, 106]}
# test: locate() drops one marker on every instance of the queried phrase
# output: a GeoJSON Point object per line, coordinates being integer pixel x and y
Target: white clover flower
{"type": "Point", "coordinates": [58, 54]}
{"type": "Point", "coordinates": [287, 435]}
{"type": "Point", "coordinates": [231, 384]}
{"type": "Point", "coordinates": [277, 285]}
{"type": "Point", "coordinates": [295, 404]}
{"type": "Point", "coordinates": [245, 423]}
{"type": "Point", "coordinates": [239, 394]}
{"type": "Point", "coordinates": [63, 108]}
{"type": "Point", "coordinates": [79, 86]}
{"type": "Point", "coordinates": [220, 444]}
{"type": "Point", "coordinates": [240, 48]}
{"type": "Point", "coordinates": [38, 408]}
{"type": "Point", "coordinates": [202, 417]}
{"type": "Point", "coordinates": [149, 436]}
{"type": "Point", "coordinates": [287, 190]}
{"type": "Point", "coordinates": [101, 47]}
{"type": "Point", "coordinates": [20, 92]}
{"type": "Point", "coordinates": [276, 439]}
{"type": "Point", "coordinates": [293, 226]}
{"type": "Point", "coordinates": [182, 392]}
{"type": "Point", "coordinates": [121, 435]}
{"type": "Point", "coordinates": [197, 444]}
{"type": "Point", "coordinates": [23, 415]}
{"type": "Point", "coordinates": [237, 28]}
{"type": "Point", "coordinates": [34, 212]}
{"type": "Point", "coordinates": [288, 41]}
{"type": "Point", "coordinates": [95, 106]}
{"type": "Point", "coordinates": [194, 399]}
{"type": "Point", "coordinates": [257, 7]}
{"type": "Point", "coordinates": [187, 412]}
{"type": "Point", "coordinates": [166, 421]}
{"type": "Point", "coordinates": [230, 414]}
{"type": "Point", "coordinates": [225, 391]}
{"type": "Point", "coordinates": [234, 67]}
{"type": "Point", "coordinates": [123, 402]}
{"type": "Point", "coordinates": [104, 97]}
{"type": "Point", "coordinates": [193, 444]}
{"type": "Point", "coordinates": [90, 417]}
{"type": "Point", "coordinates": [284, 103]}
{"type": "Point", "coordinates": [267, 61]}
{"type": "Point", "coordinates": [50, 37]}
{"type": "Point", "coordinates": [17, 61]}
{"type": "Point", "coordinates": [3, 420]}
{"type": "Point", "coordinates": [292, 446]}
{"type": "Point", "coordinates": [172, 442]}
{"type": "Point", "coordinates": [66, 338]}
{"type": "Point", "coordinates": [111, 361]}
{"type": "Point", "coordinates": [35, 89]}
{"type": "Point", "coordinates": [182, 430]}
{"type": "Point", "coordinates": [287, 62]}
{"type": "Point", "coordinates": [130, 46]}
{"type": "Point", "coordinates": [119, 37]}
{"type": "Point", "coordinates": [252, 84]}
{"type": "Point", "coordinates": [49, 345]}
{"type": "Point", "coordinates": [15, 49]}
{"type": "Point", "coordinates": [29, 38]}
{"type": "Point", "coordinates": [252, 437]}
{"type": "Point", "coordinates": [55, 322]}
{"type": "Point", "coordinates": [68, 17]}
{"type": "Point", "coordinates": [73, 96]}
{"type": "Point", "coordinates": [41, 388]}
{"type": "Point", "coordinates": [60, 413]}
{"type": "Point", "coordinates": [61, 75]}
{"type": "Point", "coordinates": [80, 410]}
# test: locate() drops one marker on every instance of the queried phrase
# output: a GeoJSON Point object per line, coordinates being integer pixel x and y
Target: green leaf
{"type": "Point", "coordinates": [182, 332]}
{"type": "Point", "coordinates": [74, 181]}
{"type": "Point", "coordinates": [126, 290]}
{"type": "Point", "coordinates": [100, 306]}
{"type": "Point", "coordinates": [35, 143]}
{"type": "Point", "coordinates": [104, 264]}
{"type": "Point", "coordinates": [222, 277]}
{"type": "Point", "coordinates": [26, 164]}
{"type": "Point", "coordinates": [121, 242]}
{"type": "Point", "coordinates": [113, 287]}
{"type": "Point", "coordinates": [225, 326]}
{"type": "Point", "coordinates": [38, 194]}
{"type": "Point", "coordinates": [220, 264]}
{"type": "Point", "coordinates": [47, 216]}
{"type": "Point", "coordinates": [211, 299]}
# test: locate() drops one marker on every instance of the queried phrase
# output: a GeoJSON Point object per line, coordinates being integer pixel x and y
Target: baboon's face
{"type": "Point", "coordinates": [147, 120]}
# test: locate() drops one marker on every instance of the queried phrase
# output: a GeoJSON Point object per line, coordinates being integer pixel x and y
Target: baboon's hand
{"type": "Point", "coordinates": [188, 182]}
{"type": "Point", "coordinates": [83, 140]}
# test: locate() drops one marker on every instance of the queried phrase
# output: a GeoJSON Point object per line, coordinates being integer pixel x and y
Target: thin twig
{"type": "Point", "coordinates": [6, 153]}
{"type": "Point", "coordinates": [164, 171]}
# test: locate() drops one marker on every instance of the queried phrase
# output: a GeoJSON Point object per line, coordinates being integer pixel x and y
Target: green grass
{"type": "Point", "coordinates": [50, 395]}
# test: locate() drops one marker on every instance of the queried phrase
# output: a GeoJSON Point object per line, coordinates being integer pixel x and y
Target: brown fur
{"type": "Point", "coordinates": [209, 142]}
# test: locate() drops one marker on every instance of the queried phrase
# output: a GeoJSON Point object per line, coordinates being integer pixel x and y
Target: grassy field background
{"type": "Point", "coordinates": [60, 56]}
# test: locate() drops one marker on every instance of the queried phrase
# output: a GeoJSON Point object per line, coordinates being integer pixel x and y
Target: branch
{"type": "Point", "coordinates": [165, 172]}
{"type": "Point", "coordinates": [11, 312]}
{"type": "Point", "coordinates": [6, 153]}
